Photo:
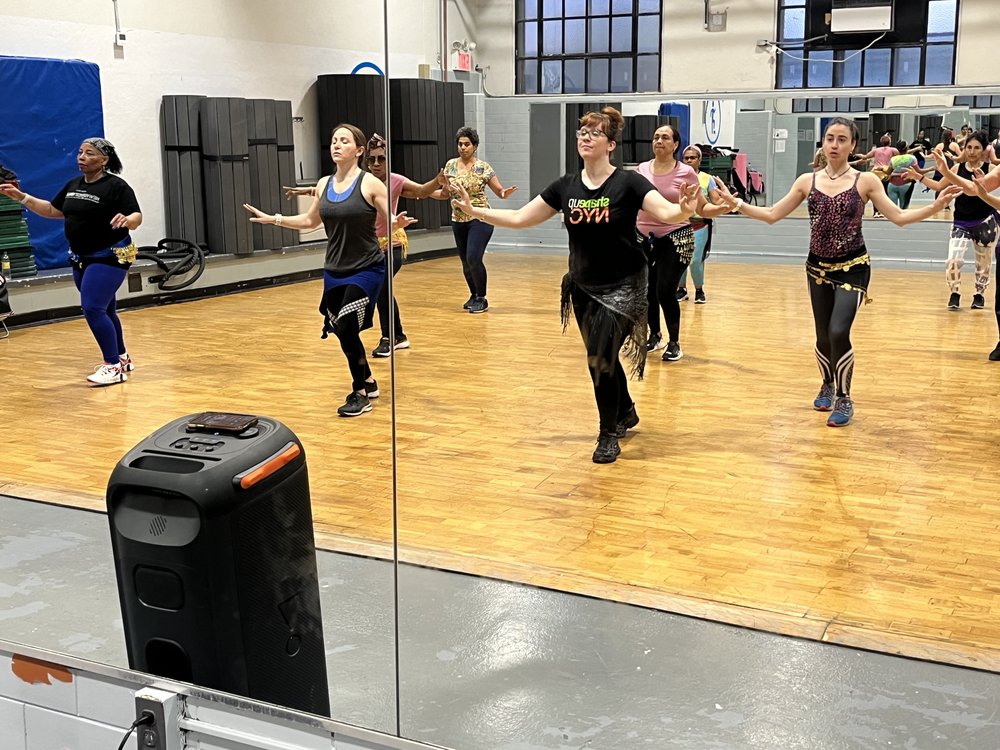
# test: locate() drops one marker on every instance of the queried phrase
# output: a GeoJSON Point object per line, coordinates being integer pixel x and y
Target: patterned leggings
{"type": "Point", "coordinates": [982, 238]}
{"type": "Point", "coordinates": [834, 309]}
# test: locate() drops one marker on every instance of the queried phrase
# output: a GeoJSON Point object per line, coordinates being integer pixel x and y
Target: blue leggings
{"type": "Point", "coordinates": [698, 259]}
{"type": "Point", "coordinates": [98, 283]}
{"type": "Point", "coordinates": [471, 237]}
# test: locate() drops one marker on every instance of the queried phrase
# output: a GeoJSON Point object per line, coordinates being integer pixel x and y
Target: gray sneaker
{"type": "Point", "coordinates": [355, 405]}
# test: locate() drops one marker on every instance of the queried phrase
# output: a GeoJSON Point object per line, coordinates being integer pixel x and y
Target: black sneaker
{"type": "Point", "coordinates": [479, 305]}
{"type": "Point", "coordinates": [401, 342]}
{"type": "Point", "coordinates": [655, 342]}
{"type": "Point", "coordinates": [699, 297]}
{"type": "Point", "coordinates": [978, 302]}
{"type": "Point", "coordinates": [954, 301]}
{"type": "Point", "coordinates": [383, 349]}
{"type": "Point", "coordinates": [355, 405]}
{"type": "Point", "coordinates": [468, 302]}
{"type": "Point", "coordinates": [682, 294]}
{"type": "Point", "coordinates": [607, 449]}
{"type": "Point", "coordinates": [673, 352]}
{"type": "Point", "coordinates": [371, 389]}
{"type": "Point", "coordinates": [627, 422]}
{"type": "Point", "coordinates": [995, 354]}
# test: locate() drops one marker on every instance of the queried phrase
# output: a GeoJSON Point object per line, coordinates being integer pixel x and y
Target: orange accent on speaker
{"type": "Point", "coordinates": [270, 466]}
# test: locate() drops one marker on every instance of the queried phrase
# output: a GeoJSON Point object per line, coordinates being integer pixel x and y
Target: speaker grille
{"type": "Point", "coordinates": [157, 525]}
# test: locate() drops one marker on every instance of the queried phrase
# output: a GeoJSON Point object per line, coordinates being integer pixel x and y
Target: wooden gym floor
{"type": "Point", "coordinates": [731, 500]}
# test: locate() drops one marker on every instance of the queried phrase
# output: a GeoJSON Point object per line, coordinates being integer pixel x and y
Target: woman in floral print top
{"type": "Point", "coordinates": [472, 235]}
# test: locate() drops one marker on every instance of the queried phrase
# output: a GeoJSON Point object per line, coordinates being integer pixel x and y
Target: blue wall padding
{"type": "Point", "coordinates": [49, 107]}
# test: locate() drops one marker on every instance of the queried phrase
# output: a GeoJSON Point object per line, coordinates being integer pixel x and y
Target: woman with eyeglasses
{"type": "Point", "coordinates": [669, 246]}
{"type": "Point", "coordinates": [472, 235]}
{"type": "Point", "coordinates": [354, 270]}
{"type": "Point", "coordinates": [399, 186]}
{"type": "Point", "coordinates": [838, 266]}
{"type": "Point", "coordinates": [606, 284]}
{"type": "Point", "coordinates": [702, 227]}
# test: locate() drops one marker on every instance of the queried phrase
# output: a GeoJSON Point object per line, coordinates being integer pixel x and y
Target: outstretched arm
{"type": "Point", "coordinates": [309, 220]}
{"type": "Point", "coordinates": [982, 181]}
{"type": "Point", "coordinates": [30, 202]}
{"type": "Point", "coordinates": [667, 212]}
{"type": "Point", "coordinates": [502, 192]}
{"type": "Point", "coordinates": [531, 214]}
{"type": "Point", "coordinates": [781, 209]}
{"type": "Point", "coordinates": [429, 189]}
{"type": "Point", "coordinates": [870, 188]}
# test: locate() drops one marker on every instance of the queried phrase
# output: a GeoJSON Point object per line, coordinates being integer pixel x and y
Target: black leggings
{"type": "Point", "coordinates": [665, 271]}
{"type": "Point", "coordinates": [834, 309]}
{"type": "Point", "coordinates": [348, 332]}
{"type": "Point", "coordinates": [604, 341]}
{"type": "Point", "coordinates": [382, 305]}
{"type": "Point", "coordinates": [472, 237]}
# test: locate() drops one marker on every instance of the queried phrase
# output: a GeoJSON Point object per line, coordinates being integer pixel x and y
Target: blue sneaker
{"type": "Point", "coordinates": [824, 399]}
{"type": "Point", "coordinates": [843, 413]}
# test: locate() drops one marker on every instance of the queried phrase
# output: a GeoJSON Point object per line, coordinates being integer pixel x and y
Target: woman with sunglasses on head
{"type": "Point", "coordinates": [399, 186]}
{"type": "Point", "coordinates": [99, 209]}
{"type": "Point", "coordinates": [472, 235]}
{"type": "Point", "coordinates": [606, 284]}
{"type": "Point", "coordinates": [713, 191]}
{"type": "Point", "coordinates": [346, 204]}
{"type": "Point", "coordinates": [838, 267]}
{"type": "Point", "coordinates": [669, 247]}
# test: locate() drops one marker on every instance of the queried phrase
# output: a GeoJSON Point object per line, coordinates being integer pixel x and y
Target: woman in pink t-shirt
{"type": "Point", "coordinates": [399, 186]}
{"type": "Point", "coordinates": [880, 157]}
{"type": "Point", "coordinates": [669, 247]}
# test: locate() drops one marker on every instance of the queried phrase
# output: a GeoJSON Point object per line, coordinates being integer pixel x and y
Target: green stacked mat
{"type": "Point", "coordinates": [14, 239]}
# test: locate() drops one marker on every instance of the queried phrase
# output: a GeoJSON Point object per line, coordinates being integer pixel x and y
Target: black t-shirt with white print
{"type": "Point", "coordinates": [88, 208]}
{"type": "Point", "coordinates": [603, 246]}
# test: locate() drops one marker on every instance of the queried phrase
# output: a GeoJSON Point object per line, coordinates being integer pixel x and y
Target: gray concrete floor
{"type": "Point", "coordinates": [489, 665]}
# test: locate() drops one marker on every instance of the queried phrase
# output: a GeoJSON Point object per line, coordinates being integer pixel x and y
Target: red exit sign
{"type": "Point", "coordinates": [461, 61]}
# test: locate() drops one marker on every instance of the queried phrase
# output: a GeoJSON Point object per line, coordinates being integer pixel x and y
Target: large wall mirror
{"type": "Point", "coordinates": [254, 352]}
{"type": "Point", "coordinates": [496, 425]}
{"type": "Point", "coordinates": [453, 516]}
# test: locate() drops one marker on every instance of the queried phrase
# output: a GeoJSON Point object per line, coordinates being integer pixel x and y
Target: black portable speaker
{"type": "Point", "coordinates": [212, 534]}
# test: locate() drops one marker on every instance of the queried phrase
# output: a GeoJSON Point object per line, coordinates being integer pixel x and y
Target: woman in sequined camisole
{"type": "Point", "coordinates": [835, 222]}
{"type": "Point", "coordinates": [838, 266]}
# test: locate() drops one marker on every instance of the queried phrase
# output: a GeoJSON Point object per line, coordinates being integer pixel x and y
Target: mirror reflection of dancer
{"type": "Point", "coordinates": [399, 186]}
{"type": "Point", "coordinates": [471, 235]}
{"type": "Point", "coordinates": [99, 209]}
{"type": "Point", "coordinates": [973, 222]}
{"type": "Point", "coordinates": [669, 247]}
{"type": "Point", "coordinates": [983, 186]}
{"type": "Point", "coordinates": [838, 265]}
{"type": "Point", "coordinates": [354, 269]}
{"type": "Point", "coordinates": [713, 190]}
{"type": "Point", "coordinates": [606, 283]}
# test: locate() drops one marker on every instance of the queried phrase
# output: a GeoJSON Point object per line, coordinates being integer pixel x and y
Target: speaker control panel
{"type": "Point", "coordinates": [198, 444]}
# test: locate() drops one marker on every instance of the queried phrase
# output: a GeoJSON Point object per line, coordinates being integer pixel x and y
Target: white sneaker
{"type": "Point", "coordinates": [126, 362]}
{"type": "Point", "coordinates": [108, 375]}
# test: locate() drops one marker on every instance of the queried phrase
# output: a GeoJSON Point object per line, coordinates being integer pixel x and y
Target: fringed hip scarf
{"type": "Point", "coordinates": [398, 238]}
{"type": "Point", "coordinates": [618, 308]}
{"type": "Point", "coordinates": [852, 275]}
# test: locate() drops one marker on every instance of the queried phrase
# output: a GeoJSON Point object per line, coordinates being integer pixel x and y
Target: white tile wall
{"type": "Point", "coordinates": [11, 725]}
{"type": "Point", "coordinates": [51, 730]}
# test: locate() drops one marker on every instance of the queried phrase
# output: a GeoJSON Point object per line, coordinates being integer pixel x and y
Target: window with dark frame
{"type": "Point", "coordinates": [587, 46]}
{"type": "Point", "coordinates": [923, 56]}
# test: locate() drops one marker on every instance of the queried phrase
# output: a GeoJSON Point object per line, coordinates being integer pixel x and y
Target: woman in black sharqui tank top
{"type": "Point", "coordinates": [838, 266]}
{"type": "Point", "coordinates": [974, 224]}
{"type": "Point", "coordinates": [606, 283]}
{"type": "Point", "coordinates": [354, 268]}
